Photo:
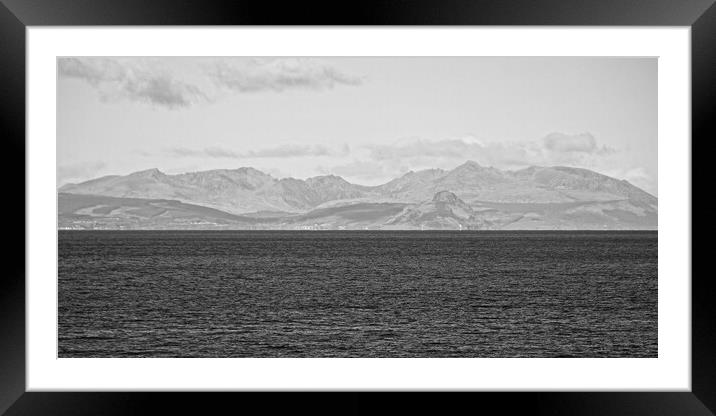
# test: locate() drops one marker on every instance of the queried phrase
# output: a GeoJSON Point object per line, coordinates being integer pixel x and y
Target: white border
{"type": "Point", "coordinates": [671, 371]}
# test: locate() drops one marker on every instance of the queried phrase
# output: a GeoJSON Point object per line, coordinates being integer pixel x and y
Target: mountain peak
{"type": "Point", "coordinates": [148, 173]}
{"type": "Point", "coordinates": [446, 196]}
{"type": "Point", "coordinates": [247, 169]}
{"type": "Point", "coordinates": [423, 172]}
{"type": "Point", "coordinates": [470, 164]}
{"type": "Point", "coordinates": [326, 178]}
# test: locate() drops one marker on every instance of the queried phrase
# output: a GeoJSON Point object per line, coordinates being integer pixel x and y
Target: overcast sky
{"type": "Point", "coordinates": [368, 120]}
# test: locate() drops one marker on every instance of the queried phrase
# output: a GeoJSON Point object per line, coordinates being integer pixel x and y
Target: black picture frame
{"type": "Point", "coordinates": [16, 15]}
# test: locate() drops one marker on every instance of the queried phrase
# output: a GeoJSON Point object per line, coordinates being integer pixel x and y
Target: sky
{"type": "Point", "coordinates": [367, 119]}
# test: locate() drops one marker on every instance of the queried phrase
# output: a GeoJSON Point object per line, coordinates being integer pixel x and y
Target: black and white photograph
{"type": "Point", "coordinates": [353, 207]}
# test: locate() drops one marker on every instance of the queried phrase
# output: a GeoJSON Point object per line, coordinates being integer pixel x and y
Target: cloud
{"type": "Point", "coordinates": [152, 81]}
{"type": "Point", "coordinates": [78, 171]}
{"type": "Point", "coordinates": [212, 152]}
{"type": "Point", "coordinates": [280, 151]}
{"type": "Point", "coordinates": [583, 143]}
{"type": "Point", "coordinates": [555, 148]}
{"type": "Point", "coordinates": [410, 148]}
{"type": "Point", "coordinates": [92, 70]}
{"type": "Point", "coordinates": [135, 80]}
{"type": "Point", "coordinates": [447, 152]}
{"type": "Point", "coordinates": [289, 150]}
{"type": "Point", "coordinates": [278, 74]}
{"type": "Point", "coordinates": [367, 170]}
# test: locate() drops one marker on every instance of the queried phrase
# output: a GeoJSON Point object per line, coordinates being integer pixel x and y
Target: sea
{"type": "Point", "coordinates": [357, 294]}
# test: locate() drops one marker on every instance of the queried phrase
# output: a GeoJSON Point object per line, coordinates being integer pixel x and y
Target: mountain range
{"type": "Point", "coordinates": [470, 196]}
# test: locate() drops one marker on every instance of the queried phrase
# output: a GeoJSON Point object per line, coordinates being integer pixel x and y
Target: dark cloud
{"type": "Point", "coordinates": [92, 70]}
{"type": "Point", "coordinates": [163, 91]}
{"type": "Point", "coordinates": [116, 80]}
{"type": "Point", "coordinates": [147, 81]}
{"type": "Point", "coordinates": [255, 75]}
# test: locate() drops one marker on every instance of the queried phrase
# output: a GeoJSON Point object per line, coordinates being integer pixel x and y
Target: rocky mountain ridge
{"type": "Point", "coordinates": [470, 196]}
{"type": "Point", "coordinates": [246, 190]}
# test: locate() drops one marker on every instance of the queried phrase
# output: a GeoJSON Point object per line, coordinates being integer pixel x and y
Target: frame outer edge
{"type": "Point", "coordinates": [703, 101]}
{"type": "Point", "coordinates": [372, 12]}
{"type": "Point", "coordinates": [12, 116]}
{"type": "Point", "coordinates": [12, 280]}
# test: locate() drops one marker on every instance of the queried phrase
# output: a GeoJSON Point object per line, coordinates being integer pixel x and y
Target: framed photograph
{"type": "Point", "coordinates": [403, 197]}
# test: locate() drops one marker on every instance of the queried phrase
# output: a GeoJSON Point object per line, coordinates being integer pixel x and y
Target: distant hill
{"type": "Point", "coordinates": [444, 211]}
{"type": "Point", "coordinates": [97, 211]}
{"type": "Point", "coordinates": [472, 182]}
{"type": "Point", "coordinates": [469, 197]}
{"type": "Point", "coordinates": [237, 191]}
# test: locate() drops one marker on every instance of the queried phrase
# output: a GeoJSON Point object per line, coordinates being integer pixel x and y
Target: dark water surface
{"type": "Point", "coordinates": [357, 294]}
